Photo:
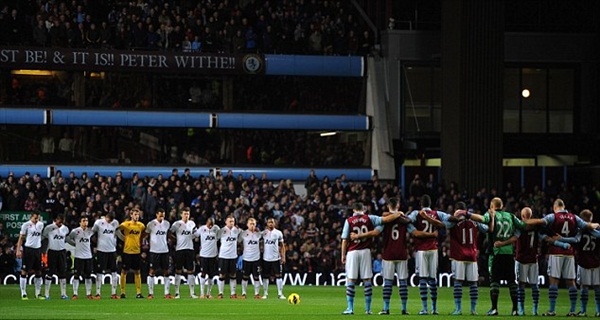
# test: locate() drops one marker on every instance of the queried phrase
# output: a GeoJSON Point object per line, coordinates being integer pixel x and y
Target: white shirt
{"type": "Point", "coordinates": [272, 238]}
{"type": "Point", "coordinates": [81, 239]}
{"type": "Point", "coordinates": [185, 234]}
{"type": "Point", "coordinates": [33, 233]}
{"type": "Point", "coordinates": [251, 245]}
{"type": "Point", "coordinates": [158, 235]}
{"type": "Point", "coordinates": [208, 241]}
{"type": "Point", "coordinates": [56, 236]}
{"type": "Point", "coordinates": [107, 239]}
{"type": "Point", "coordinates": [229, 239]}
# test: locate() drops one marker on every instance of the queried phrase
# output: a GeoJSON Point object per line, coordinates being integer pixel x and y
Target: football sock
{"type": "Point", "coordinates": [232, 286]}
{"type": "Point", "coordinates": [535, 296]}
{"type": "Point", "coordinates": [458, 295]}
{"type": "Point", "coordinates": [552, 295]}
{"type": "Point", "coordinates": [177, 282]}
{"type": "Point", "coordinates": [521, 298]}
{"type": "Point", "coordinates": [474, 294]}
{"type": "Point", "coordinates": [584, 299]}
{"type": "Point", "coordinates": [423, 292]}
{"type": "Point", "coordinates": [63, 286]}
{"type": "Point", "coordinates": [244, 286]}
{"type": "Point", "coordinates": [256, 287]}
{"type": "Point", "coordinates": [23, 285]}
{"type": "Point", "coordinates": [150, 281]}
{"type": "Point", "coordinates": [88, 286]}
{"type": "Point", "coordinates": [221, 284]}
{"type": "Point", "coordinates": [123, 280]}
{"type": "Point", "coordinates": [192, 283]}
{"type": "Point", "coordinates": [512, 289]}
{"type": "Point", "coordinates": [266, 286]}
{"type": "Point", "coordinates": [202, 284]}
{"type": "Point", "coordinates": [494, 292]}
{"type": "Point", "coordinates": [433, 292]}
{"type": "Point", "coordinates": [403, 293]}
{"type": "Point", "coordinates": [38, 285]}
{"type": "Point", "coordinates": [99, 280]}
{"type": "Point", "coordinates": [279, 282]}
{"type": "Point", "coordinates": [167, 284]}
{"type": "Point", "coordinates": [209, 285]}
{"type": "Point", "coordinates": [138, 283]}
{"type": "Point", "coordinates": [75, 286]}
{"type": "Point", "coordinates": [48, 283]}
{"type": "Point", "coordinates": [114, 283]}
{"type": "Point", "coordinates": [387, 294]}
{"type": "Point", "coordinates": [573, 298]}
{"type": "Point", "coordinates": [350, 295]}
{"type": "Point", "coordinates": [368, 294]}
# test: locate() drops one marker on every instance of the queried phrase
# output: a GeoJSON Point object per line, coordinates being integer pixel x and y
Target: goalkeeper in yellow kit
{"type": "Point", "coordinates": [131, 232]}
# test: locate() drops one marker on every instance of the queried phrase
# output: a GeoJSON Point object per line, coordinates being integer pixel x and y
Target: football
{"type": "Point", "coordinates": [294, 298]}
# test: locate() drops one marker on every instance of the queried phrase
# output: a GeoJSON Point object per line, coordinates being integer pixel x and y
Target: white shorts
{"type": "Point", "coordinates": [358, 263]}
{"type": "Point", "coordinates": [527, 272]}
{"type": "Point", "coordinates": [465, 270]}
{"type": "Point", "coordinates": [391, 267]}
{"type": "Point", "coordinates": [561, 267]}
{"type": "Point", "coordinates": [588, 277]}
{"type": "Point", "coordinates": [426, 263]}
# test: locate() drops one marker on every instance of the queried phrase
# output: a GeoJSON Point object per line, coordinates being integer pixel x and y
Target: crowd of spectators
{"type": "Point", "coordinates": [142, 91]}
{"type": "Point", "coordinates": [230, 26]}
{"type": "Point", "coordinates": [311, 222]}
{"type": "Point", "coordinates": [181, 146]}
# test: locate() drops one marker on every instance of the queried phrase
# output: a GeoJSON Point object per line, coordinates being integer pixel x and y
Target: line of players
{"type": "Point", "coordinates": [214, 259]}
{"type": "Point", "coordinates": [559, 229]}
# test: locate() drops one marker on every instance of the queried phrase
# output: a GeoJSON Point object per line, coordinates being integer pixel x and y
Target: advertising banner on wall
{"type": "Point", "coordinates": [132, 61]}
{"type": "Point", "coordinates": [13, 220]}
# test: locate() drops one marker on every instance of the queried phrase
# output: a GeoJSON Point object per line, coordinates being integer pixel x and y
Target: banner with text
{"type": "Point", "coordinates": [134, 61]}
{"type": "Point", "coordinates": [13, 220]}
{"type": "Point", "coordinates": [289, 279]}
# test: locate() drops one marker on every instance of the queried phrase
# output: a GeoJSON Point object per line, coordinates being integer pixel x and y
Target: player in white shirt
{"type": "Point", "coordinates": [274, 258]}
{"type": "Point", "coordinates": [31, 253]}
{"type": "Point", "coordinates": [56, 233]}
{"type": "Point", "coordinates": [251, 257]}
{"type": "Point", "coordinates": [80, 238]}
{"type": "Point", "coordinates": [106, 253]}
{"type": "Point", "coordinates": [184, 251]}
{"type": "Point", "coordinates": [208, 255]}
{"type": "Point", "coordinates": [228, 236]}
{"type": "Point", "coordinates": [158, 230]}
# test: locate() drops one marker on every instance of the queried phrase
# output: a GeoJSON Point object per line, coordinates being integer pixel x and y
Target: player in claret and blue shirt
{"type": "Point", "coordinates": [425, 223]}
{"type": "Point", "coordinates": [561, 261]}
{"type": "Point", "coordinates": [358, 259]}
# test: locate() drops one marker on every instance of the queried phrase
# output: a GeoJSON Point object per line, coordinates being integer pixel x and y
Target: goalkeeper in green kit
{"type": "Point", "coordinates": [502, 260]}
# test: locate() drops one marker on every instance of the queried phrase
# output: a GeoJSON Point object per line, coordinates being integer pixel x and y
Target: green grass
{"type": "Point", "coordinates": [316, 303]}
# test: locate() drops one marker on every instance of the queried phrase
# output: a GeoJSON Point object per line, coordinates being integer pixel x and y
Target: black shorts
{"type": "Point", "coordinates": [131, 261]}
{"type": "Point", "coordinates": [57, 263]}
{"type": "Point", "coordinates": [106, 262]}
{"type": "Point", "coordinates": [227, 267]}
{"type": "Point", "coordinates": [83, 267]}
{"type": "Point", "coordinates": [250, 268]}
{"type": "Point", "coordinates": [271, 269]}
{"type": "Point", "coordinates": [503, 268]}
{"type": "Point", "coordinates": [208, 266]}
{"type": "Point", "coordinates": [159, 261]}
{"type": "Point", "coordinates": [32, 259]}
{"type": "Point", "coordinates": [185, 259]}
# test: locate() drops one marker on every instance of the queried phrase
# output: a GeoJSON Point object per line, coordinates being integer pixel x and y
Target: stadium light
{"type": "Point", "coordinates": [327, 134]}
{"type": "Point", "coordinates": [44, 73]}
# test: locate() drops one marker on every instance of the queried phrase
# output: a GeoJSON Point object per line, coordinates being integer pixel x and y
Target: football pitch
{"type": "Point", "coordinates": [316, 303]}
